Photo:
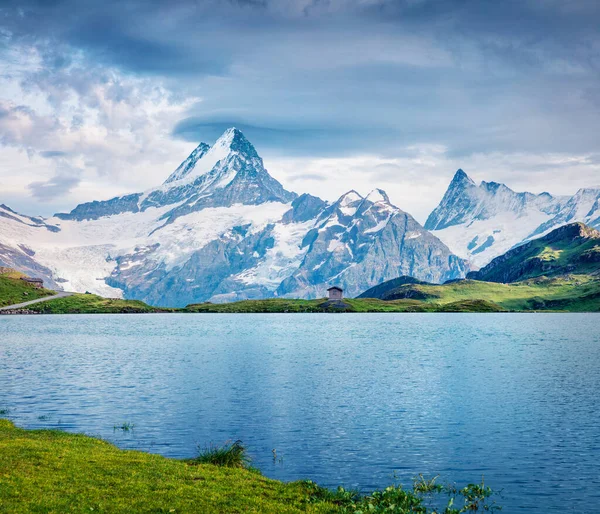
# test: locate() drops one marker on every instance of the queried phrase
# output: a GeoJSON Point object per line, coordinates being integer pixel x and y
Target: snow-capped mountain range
{"type": "Point", "coordinates": [221, 228]}
{"type": "Point", "coordinates": [480, 222]}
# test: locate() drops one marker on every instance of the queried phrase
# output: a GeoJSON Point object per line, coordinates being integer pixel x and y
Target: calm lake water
{"type": "Point", "coordinates": [355, 400]}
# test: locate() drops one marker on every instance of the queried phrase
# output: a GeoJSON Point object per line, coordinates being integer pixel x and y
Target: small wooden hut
{"type": "Point", "coordinates": [335, 293]}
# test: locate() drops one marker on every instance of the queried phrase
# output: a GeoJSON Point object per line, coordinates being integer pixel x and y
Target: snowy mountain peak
{"type": "Point", "coordinates": [461, 179]}
{"type": "Point", "coordinates": [234, 140]}
{"type": "Point", "coordinates": [205, 159]}
{"type": "Point", "coordinates": [229, 172]}
{"type": "Point", "coordinates": [495, 187]}
{"type": "Point", "coordinates": [188, 165]}
{"type": "Point", "coordinates": [466, 202]}
{"type": "Point", "coordinates": [349, 198]}
{"type": "Point", "coordinates": [228, 136]}
{"type": "Point", "coordinates": [583, 206]}
{"type": "Point", "coordinates": [378, 196]}
{"type": "Point", "coordinates": [482, 221]}
{"type": "Point", "coordinates": [587, 192]}
{"type": "Point", "coordinates": [348, 203]}
{"type": "Point", "coordinates": [222, 228]}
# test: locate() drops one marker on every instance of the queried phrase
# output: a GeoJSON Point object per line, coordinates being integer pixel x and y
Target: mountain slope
{"type": "Point", "coordinates": [573, 293]}
{"type": "Point", "coordinates": [479, 222]}
{"type": "Point", "coordinates": [380, 291]}
{"type": "Point", "coordinates": [570, 249]}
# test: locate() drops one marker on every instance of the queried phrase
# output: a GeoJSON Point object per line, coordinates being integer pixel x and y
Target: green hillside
{"type": "Point", "coordinates": [93, 304]}
{"type": "Point", "coordinates": [576, 293]}
{"type": "Point", "coordinates": [14, 290]}
{"type": "Point", "coordinates": [569, 293]}
{"type": "Point", "coordinates": [571, 249]}
{"type": "Point", "coordinates": [380, 290]}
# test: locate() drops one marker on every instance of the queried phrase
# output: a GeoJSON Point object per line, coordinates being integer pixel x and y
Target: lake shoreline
{"type": "Point", "coordinates": [574, 293]}
{"type": "Point", "coordinates": [92, 304]}
{"type": "Point", "coordinates": [60, 471]}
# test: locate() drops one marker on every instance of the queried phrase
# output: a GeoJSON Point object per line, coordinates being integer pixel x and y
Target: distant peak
{"type": "Point", "coordinates": [234, 139]}
{"type": "Point", "coordinates": [586, 191]}
{"type": "Point", "coordinates": [349, 197]}
{"type": "Point", "coordinates": [460, 177]}
{"type": "Point", "coordinates": [230, 135]}
{"type": "Point", "coordinates": [378, 196]}
{"type": "Point", "coordinates": [493, 186]}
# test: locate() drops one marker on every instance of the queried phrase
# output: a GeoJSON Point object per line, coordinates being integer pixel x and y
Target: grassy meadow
{"type": "Point", "coordinates": [14, 290]}
{"type": "Point", "coordinates": [568, 293]}
{"type": "Point", "coordinates": [572, 293]}
{"type": "Point", "coordinates": [93, 304]}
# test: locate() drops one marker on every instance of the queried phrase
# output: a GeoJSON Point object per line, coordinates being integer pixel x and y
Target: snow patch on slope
{"type": "Point", "coordinates": [187, 234]}
{"type": "Point", "coordinates": [380, 226]}
{"type": "Point", "coordinates": [281, 260]}
{"type": "Point", "coordinates": [482, 240]}
{"type": "Point", "coordinates": [83, 253]}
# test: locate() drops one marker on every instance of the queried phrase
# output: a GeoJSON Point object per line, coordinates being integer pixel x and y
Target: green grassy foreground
{"type": "Point", "coordinates": [53, 471]}
{"type": "Point", "coordinates": [13, 290]}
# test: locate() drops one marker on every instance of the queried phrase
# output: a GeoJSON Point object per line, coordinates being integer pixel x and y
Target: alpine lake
{"type": "Point", "coordinates": [358, 400]}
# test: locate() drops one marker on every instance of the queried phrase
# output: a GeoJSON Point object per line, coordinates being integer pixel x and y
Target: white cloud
{"type": "Point", "coordinates": [111, 131]}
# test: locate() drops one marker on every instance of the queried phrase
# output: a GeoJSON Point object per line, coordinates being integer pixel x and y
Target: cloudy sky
{"type": "Point", "coordinates": [102, 98]}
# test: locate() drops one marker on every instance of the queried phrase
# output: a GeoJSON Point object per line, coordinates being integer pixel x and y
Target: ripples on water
{"type": "Point", "coordinates": [344, 399]}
